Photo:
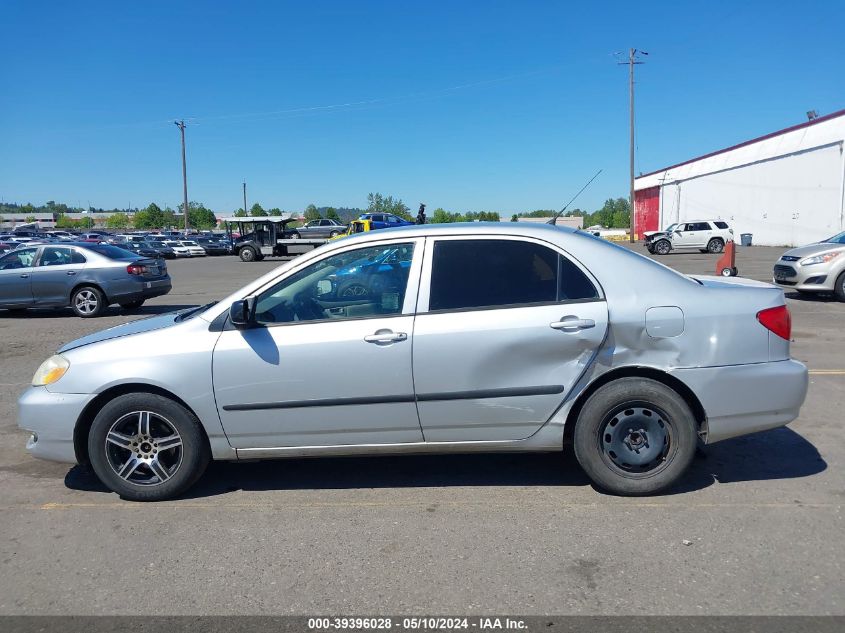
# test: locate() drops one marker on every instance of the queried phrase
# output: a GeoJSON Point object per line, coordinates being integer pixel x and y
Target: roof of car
{"type": "Point", "coordinates": [528, 229]}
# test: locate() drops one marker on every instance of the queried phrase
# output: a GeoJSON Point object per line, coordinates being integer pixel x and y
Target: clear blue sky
{"type": "Point", "coordinates": [464, 105]}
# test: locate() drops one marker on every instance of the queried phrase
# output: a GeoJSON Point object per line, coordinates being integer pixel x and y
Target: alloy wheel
{"type": "Point", "coordinates": [144, 448]}
{"type": "Point", "coordinates": [86, 302]}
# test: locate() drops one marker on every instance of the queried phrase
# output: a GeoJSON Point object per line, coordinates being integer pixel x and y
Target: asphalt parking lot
{"type": "Point", "coordinates": [756, 527]}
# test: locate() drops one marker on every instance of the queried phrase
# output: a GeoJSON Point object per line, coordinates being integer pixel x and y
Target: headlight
{"type": "Point", "coordinates": [50, 371]}
{"type": "Point", "coordinates": [820, 259]}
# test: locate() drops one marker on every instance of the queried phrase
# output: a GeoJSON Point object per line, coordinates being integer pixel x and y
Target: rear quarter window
{"type": "Point", "coordinates": [721, 225]}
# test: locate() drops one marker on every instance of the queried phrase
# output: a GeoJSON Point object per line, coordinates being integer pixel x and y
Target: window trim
{"type": "Point", "coordinates": [425, 280]}
{"type": "Point", "coordinates": [411, 291]}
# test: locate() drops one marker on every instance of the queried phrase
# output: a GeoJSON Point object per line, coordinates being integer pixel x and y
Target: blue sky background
{"type": "Point", "coordinates": [469, 106]}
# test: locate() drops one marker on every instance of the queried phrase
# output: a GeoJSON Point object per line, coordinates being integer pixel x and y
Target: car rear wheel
{"type": "Point", "coordinates": [146, 447]}
{"type": "Point", "coordinates": [662, 247]}
{"type": "Point", "coordinates": [839, 288]}
{"type": "Point", "coordinates": [248, 254]}
{"type": "Point", "coordinates": [635, 436]}
{"type": "Point", "coordinates": [715, 245]}
{"type": "Point", "coordinates": [88, 301]}
{"type": "Point", "coordinates": [132, 305]}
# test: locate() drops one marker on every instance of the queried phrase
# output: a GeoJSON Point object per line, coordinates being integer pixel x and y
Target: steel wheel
{"type": "Point", "coordinates": [144, 448]}
{"type": "Point", "coordinates": [636, 440]}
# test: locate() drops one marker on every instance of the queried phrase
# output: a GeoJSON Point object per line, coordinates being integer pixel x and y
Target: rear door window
{"type": "Point", "coordinates": [469, 274]}
{"type": "Point", "coordinates": [54, 256]}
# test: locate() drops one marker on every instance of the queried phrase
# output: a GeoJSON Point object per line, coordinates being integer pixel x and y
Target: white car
{"type": "Point", "coordinates": [194, 249]}
{"type": "Point", "coordinates": [708, 236]}
{"type": "Point", "coordinates": [181, 251]}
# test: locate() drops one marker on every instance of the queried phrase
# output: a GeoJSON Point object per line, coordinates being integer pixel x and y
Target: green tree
{"type": "Point", "coordinates": [311, 213]}
{"type": "Point", "coordinates": [168, 217]}
{"type": "Point", "coordinates": [64, 222]}
{"type": "Point", "coordinates": [377, 203]}
{"type": "Point", "coordinates": [30, 219]}
{"type": "Point", "coordinates": [257, 210]}
{"type": "Point", "coordinates": [275, 211]}
{"type": "Point", "coordinates": [240, 213]}
{"type": "Point", "coordinates": [514, 218]}
{"type": "Point", "coordinates": [331, 214]}
{"type": "Point", "coordinates": [117, 221]}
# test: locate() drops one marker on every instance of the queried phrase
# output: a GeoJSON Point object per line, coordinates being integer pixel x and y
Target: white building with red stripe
{"type": "Point", "coordinates": [786, 188]}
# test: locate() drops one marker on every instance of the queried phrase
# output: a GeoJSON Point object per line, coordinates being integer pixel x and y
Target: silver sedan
{"type": "Point", "coordinates": [459, 338]}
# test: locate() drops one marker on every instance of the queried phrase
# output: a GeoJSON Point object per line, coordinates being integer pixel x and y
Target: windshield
{"type": "Point", "coordinates": [839, 238]}
{"type": "Point", "coordinates": [671, 227]}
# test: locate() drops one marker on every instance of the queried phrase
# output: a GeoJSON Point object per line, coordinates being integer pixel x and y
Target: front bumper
{"type": "Point", "coordinates": [814, 278]}
{"type": "Point", "coordinates": [743, 399]}
{"type": "Point", "coordinates": [51, 418]}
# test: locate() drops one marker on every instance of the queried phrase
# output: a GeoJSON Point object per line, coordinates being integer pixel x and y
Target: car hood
{"type": "Point", "coordinates": [127, 329]}
{"type": "Point", "coordinates": [653, 233]}
{"type": "Point", "coordinates": [814, 249]}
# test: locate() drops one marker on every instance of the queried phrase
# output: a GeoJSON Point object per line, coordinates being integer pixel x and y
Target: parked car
{"type": "Point", "coordinates": [143, 249]}
{"type": "Point", "coordinates": [92, 237]}
{"type": "Point", "coordinates": [814, 268]}
{"type": "Point", "coordinates": [163, 249]}
{"type": "Point", "coordinates": [525, 338]}
{"type": "Point", "coordinates": [5, 247]}
{"type": "Point", "coordinates": [384, 220]}
{"type": "Point", "coordinates": [178, 249]}
{"type": "Point", "coordinates": [319, 229]}
{"type": "Point", "coordinates": [356, 226]}
{"type": "Point", "coordinates": [708, 236]}
{"type": "Point", "coordinates": [86, 277]}
{"type": "Point", "coordinates": [194, 249]}
{"type": "Point", "coordinates": [212, 246]}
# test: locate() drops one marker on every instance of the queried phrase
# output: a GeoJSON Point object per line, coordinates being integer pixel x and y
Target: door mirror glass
{"type": "Point", "coordinates": [242, 313]}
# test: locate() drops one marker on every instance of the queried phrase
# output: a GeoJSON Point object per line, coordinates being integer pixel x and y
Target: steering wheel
{"type": "Point", "coordinates": [307, 308]}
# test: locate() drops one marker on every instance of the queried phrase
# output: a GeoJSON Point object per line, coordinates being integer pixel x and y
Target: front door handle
{"type": "Point", "coordinates": [71, 273]}
{"type": "Point", "coordinates": [24, 275]}
{"type": "Point", "coordinates": [572, 324]}
{"type": "Point", "coordinates": [386, 336]}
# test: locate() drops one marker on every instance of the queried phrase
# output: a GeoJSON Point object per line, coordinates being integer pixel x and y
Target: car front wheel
{"type": "Point", "coordinates": [146, 447]}
{"type": "Point", "coordinates": [662, 247]}
{"type": "Point", "coordinates": [635, 436]}
{"type": "Point", "coordinates": [839, 288]}
{"type": "Point", "coordinates": [248, 254]}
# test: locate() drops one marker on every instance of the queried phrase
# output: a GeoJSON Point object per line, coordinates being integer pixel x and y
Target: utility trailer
{"type": "Point", "coordinates": [267, 236]}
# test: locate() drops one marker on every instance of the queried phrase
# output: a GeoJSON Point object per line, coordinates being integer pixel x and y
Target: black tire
{"type": "Point", "coordinates": [183, 464]}
{"type": "Point", "coordinates": [716, 245]}
{"type": "Point", "coordinates": [334, 234]}
{"type": "Point", "coordinates": [88, 302]}
{"type": "Point", "coordinates": [615, 417]}
{"type": "Point", "coordinates": [662, 247]}
{"type": "Point", "coordinates": [727, 272]}
{"type": "Point", "coordinates": [132, 305]}
{"type": "Point", "coordinates": [248, 254]}
{"type": "Point", "coordinates": [839, 288]}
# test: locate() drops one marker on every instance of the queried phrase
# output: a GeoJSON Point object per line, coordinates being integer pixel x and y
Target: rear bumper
{"type": "Point", "coordinates": [137, 290]}
{"type": "Point", "coordinates": [743, 399]}
{"type": "Point", "coordinates": [51, 418]}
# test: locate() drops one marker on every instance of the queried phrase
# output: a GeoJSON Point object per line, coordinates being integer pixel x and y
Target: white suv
{"type": "Point", "coordinates": [708, 236]}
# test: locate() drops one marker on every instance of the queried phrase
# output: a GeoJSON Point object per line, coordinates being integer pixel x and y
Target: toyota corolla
{"type": "Point", "coordinates": [484, 337]}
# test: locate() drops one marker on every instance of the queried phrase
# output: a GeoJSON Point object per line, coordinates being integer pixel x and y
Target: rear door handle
{"type": "Point", "coordinates": [71, 272]}
{"type": "Point", "coordinates": [572, 324]}
{"type": "Point", "coordinates": [24, 275]}
{"type": "Point", "coordinates": [386, 336]}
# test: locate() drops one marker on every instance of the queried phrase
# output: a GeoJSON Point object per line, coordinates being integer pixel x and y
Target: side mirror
{"type": "Point", "coordinates": [242, 313]}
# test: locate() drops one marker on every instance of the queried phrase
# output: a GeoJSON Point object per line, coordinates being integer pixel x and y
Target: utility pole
{"type": "Point", "coordinates": [181, 126]}
{"type": "Point", "coordinates": [632, 61]}
{"type": "Point", "coordinates": [245, 211]}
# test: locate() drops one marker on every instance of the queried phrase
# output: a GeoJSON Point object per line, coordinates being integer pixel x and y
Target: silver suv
{"type": "Point", "coordinates": [708, 236]}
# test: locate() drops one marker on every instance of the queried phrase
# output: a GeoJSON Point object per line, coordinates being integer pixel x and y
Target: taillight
{"type": "Point", "coordinates": [136, 269]}
{"type": "Point", "coordinates": [777, 320]}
